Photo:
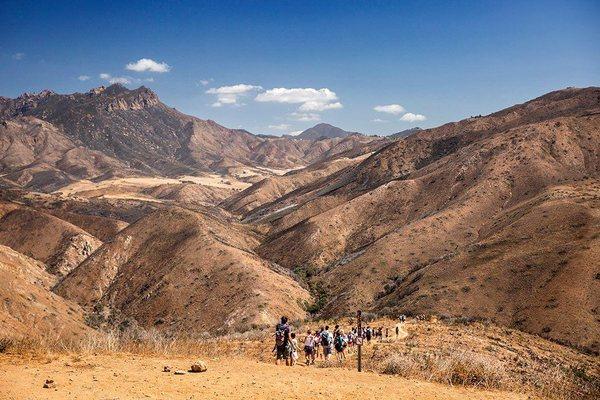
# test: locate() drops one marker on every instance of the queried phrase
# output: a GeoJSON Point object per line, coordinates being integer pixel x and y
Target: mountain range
{"type": "Point", "coordinates": [128, 212]}
{"type": "Point", "coordinates": [114, 132]}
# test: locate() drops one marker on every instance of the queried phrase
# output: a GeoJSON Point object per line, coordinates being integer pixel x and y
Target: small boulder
{"type": "Point", "coordinates": [198, 366]}
{"type": "Point", "coordinates": [166, 368]}
{"type": "Point", "coordinates": [49, 384]}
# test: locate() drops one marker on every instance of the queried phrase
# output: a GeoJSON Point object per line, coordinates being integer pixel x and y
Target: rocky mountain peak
{"type": "Point", "coordinates": [126, 99]}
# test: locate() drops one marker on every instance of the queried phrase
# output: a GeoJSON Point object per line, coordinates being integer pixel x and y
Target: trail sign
{"type": "Point", "coordinates": [359, 340]}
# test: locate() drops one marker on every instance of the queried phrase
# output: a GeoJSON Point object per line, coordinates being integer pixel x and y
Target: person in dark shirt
{"type": "Point", "coordinates": [282, 340]}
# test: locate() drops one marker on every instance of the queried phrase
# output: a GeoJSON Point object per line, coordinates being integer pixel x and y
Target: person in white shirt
{"type": "Point", "coordinates": [326, 342]}
{"type": "Point", "coordinates": [309, 348]}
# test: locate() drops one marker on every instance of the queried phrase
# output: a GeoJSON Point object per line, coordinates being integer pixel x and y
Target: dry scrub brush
{"type": "Point", "coordinates": [472, 369]}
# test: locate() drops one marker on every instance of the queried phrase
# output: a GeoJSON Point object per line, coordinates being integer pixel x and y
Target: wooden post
{"type": "Point", "coordinates": [359, 340]}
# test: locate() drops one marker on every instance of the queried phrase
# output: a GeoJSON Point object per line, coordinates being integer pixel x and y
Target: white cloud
{"type": "Point", "coordinates": [295, 133]}
{"type": "Point", "coordinates": [83, 77]}
{"type": "Point", "coordinates": [305, 116]}
{"type": "Point", "coordinates": [230, 94]}
{"type": "Point", "coordinates": [115, 79]}
{"type": "Point", "coordinates": [390, 109]}
{"type": "Point", "coordinates": [205, 82]}
{"type": "Point", "coordinates": [119, 79]}
{"type": "Point", "coordinates": [149, 79]}
{"type": "Point", "coordinates": [147, 64]}
{"type": "Point", "coordinates": [18, 56]}
{"type": "Point", "coordinates": [310, 99]}
{"type": "Point", "coordinates": [280, 127]}
{"type": "Point", "coordinates": [379, 120]}
{"type": "Point", "coordinates": [410, 117]}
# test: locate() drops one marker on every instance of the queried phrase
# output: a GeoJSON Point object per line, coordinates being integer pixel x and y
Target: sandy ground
{"type": "Point", "coordinates": [126, 376]}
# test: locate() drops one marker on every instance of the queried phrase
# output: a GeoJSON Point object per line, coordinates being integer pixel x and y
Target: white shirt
{"type": "Point", "coordinates": [309, 341]}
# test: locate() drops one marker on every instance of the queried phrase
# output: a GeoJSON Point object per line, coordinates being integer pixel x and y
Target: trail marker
{"type": "Point", "coordinates": [359, 340]}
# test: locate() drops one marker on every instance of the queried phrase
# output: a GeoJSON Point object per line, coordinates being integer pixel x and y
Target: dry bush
{"type": "Point", "coordinates": [464, 368]}
{"type": "Point", "coordinates": [471, 369]}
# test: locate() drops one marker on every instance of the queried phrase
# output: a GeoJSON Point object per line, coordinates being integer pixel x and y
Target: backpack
{"type": "Point", "coordinates": [280, 335]}
{"type": "Point", "coordinates": [325, 338]}
{"type": "Point", "coordinates": [339, 342]}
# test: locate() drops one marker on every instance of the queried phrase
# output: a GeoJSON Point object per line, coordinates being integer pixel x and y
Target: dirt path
{"type": "Point", "coordinates": [402, 333]}
{"type": "Point", "coordinates": [126, 376]}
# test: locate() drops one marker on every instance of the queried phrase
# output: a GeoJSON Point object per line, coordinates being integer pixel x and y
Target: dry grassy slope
{"type": "Point", "coordinates": [183, 271]}
{"type": "Point", "coordinates": [46, 238]}
{"type": "Point", "coordinates": [36, 154]}
{"type": "Point", "coordinates": [112, 209]}
{"type": "Point", "coordinates": [440, 203]}
{"type": "Point", "coordinates": [405, 157]}
{"type": "Point", "coordinates": [29, 308]}
{"type": "Point", "coordinates": [273, 188]}
{"type": "Point", "coordinates": [103, 228]}
{"type": "Point", "coordinates": [189, 194]}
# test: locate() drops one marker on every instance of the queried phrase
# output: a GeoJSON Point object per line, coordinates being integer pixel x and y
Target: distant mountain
{"type": "Point", "coordinates": [48, 140]}
{"type": "Point", "coordinates": [404, 133]}
{"type": "Point", "coordinates": [324, 131]}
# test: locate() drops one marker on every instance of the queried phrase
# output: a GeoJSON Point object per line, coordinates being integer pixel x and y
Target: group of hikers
{"type": "Point", "coordinates": [321, 343]}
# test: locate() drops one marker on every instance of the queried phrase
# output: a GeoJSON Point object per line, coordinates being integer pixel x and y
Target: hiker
{"type": "Point", "coordinates": [336, 331]}
{"type": "Point", "coordinates": [326, 342]}
{"type": "Point", "coordinates": [282, 338]}
{"type": "Point", "coordinates": [397, 331]}
{"type": "Point", "coordinates": [368, 334]}
{"type": "Point", "coordinates": [293, 349]}
{"type": "Point", "coordinates": [387, 332]}
{"type": "Point", "coordinates": [309, 348]}
{"type": "Point", "coordinates": [340, 346]}
{"type": "Point", "coordinates": [317, 352]}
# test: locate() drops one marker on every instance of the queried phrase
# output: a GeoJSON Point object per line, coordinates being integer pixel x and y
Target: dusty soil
{"type": "Point", "coordinates": [127, 376]}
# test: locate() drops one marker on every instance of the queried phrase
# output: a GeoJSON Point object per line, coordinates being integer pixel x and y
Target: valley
{"type": "Point", "coordinates": [118, 212]}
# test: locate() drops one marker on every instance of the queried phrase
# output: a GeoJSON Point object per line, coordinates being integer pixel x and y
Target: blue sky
{"type": "Point", "coordinates": [442, 61]}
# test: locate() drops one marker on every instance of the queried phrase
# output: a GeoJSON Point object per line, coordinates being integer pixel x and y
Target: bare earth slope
{"type": "Point", "coordinates": [184, 272]}
{"type": "Point", "coordinates": [404, 230]}
{"type": "Point", "coordinates": [28, 308]}
{"type": "Point", "coordinates": [273, 188]}
{"type": "Point", "coordinates": [44, 237]}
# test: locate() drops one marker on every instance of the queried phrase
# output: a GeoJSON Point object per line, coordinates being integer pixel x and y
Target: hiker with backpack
{"type": "Point", "coordinates": [318, 352]}
{"type": "Point", "coordinates": [282, 339]}
{"type": "Point", "coordinates": [326, 342]}
{"type": "Point", "coordinates": [340, 345]}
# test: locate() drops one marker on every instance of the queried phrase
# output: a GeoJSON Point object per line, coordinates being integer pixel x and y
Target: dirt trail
{"type": "Point", "coordinates": [126, 376]}
{"type": "Point", "coordinates": [402, 333]}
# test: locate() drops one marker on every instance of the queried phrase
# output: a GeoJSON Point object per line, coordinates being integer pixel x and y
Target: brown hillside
{"type": "Point", "coordinates": [183, 271]}
{"type": "Point", "coordinates": [383, 234]}
{"type": "Point", "coordinates": [273, 188]}
{"type": "Point", "coordinates": [53, 241]}
{"type": "Point", "coordinates": [29, 308]}
{"type": "Point", "coordinates": [36, 154]}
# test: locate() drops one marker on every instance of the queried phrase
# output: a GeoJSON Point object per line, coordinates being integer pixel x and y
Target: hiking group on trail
{"type": "Point", "coordinates": [321, 343]}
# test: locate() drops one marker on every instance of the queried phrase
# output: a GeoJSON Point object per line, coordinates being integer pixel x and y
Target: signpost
{"type": "Point", "coordinates": [359, 341]}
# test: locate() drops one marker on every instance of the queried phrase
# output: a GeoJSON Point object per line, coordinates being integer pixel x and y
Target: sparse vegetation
{"type": "Point", "coordinates": [430, 353]}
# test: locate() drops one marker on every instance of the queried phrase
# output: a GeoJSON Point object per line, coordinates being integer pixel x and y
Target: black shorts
{"type": "Point", "coordinates": [308, 350]}
{"type": "Point", "coordinates": [283, 352]}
